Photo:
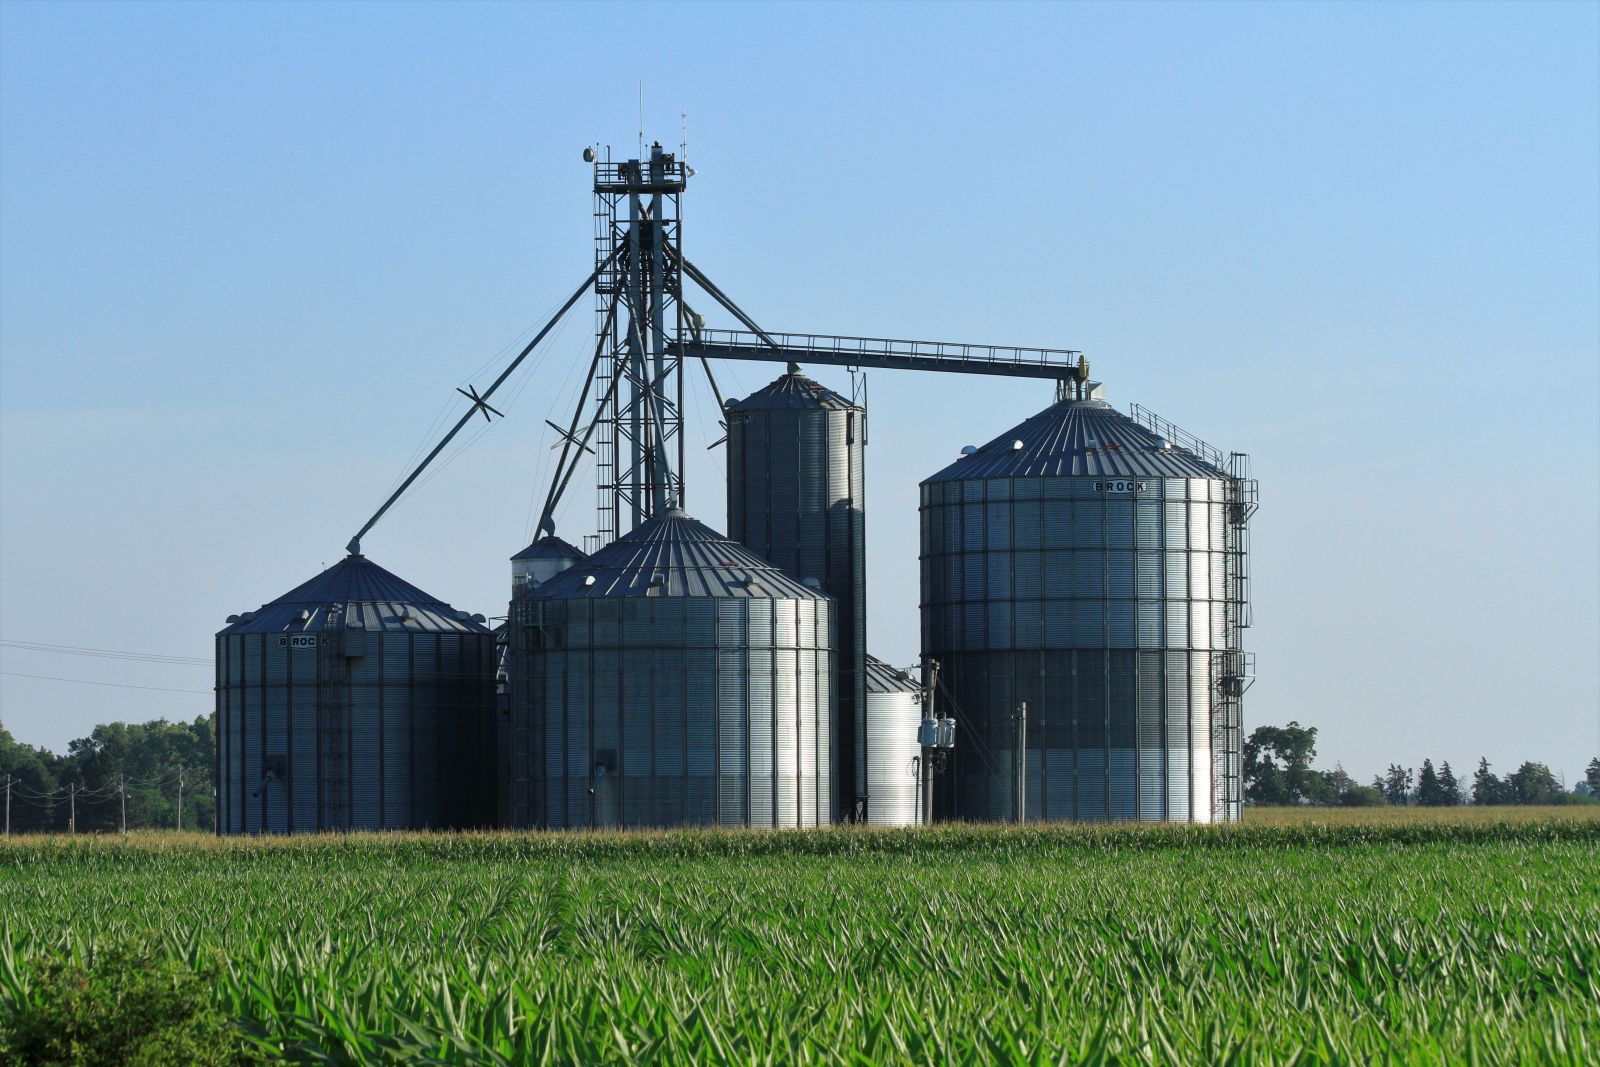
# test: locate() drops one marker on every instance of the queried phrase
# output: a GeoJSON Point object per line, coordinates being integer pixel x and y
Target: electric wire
{"type": "Point", "coordinates": [114, 685]}
{"type": "Point", "coordinates": [105, 653]}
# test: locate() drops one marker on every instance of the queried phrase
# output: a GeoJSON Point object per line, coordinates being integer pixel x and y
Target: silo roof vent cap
{"type": "Point", "coordinates": [969, 450]}
{"type": "Point", "coordinates": [232, 619]}
{"type": "Point", "coordinates": [1016, 446]}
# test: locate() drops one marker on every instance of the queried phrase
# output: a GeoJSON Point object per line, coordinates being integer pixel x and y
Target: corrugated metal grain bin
{"type": "Point", "coordinates": [673, 678]}
{"type": "Point", "coordinates": [796, 497]}
{"type": "Point", "coordinates": [894, 711]}
{"type": "Point", "coordinates": [1082, 563]}
{"type": "Point", "coordinates": [355, 701]}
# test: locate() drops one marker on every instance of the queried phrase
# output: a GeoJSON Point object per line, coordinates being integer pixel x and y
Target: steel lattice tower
{"type": "Point", "coordinates": [639, 312]}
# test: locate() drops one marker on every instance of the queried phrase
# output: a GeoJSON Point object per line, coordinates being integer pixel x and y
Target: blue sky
{"type": "Point", "coordinates": [248, 251]}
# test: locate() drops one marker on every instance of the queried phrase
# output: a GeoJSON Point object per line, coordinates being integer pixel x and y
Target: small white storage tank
{"type": "Point", "coordinates": [894, 710]}
{"type": "Point", "coordinates": [541, 561]}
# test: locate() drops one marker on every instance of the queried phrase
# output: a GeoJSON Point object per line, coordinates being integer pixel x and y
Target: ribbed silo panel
{"type": "Point", "coordinates": [365, 759]}
{"type": "Point", "coordinates": [763, 737]}
{"type": "Point", "coordinates": [733, 744]}
{"type": "Point", "coordinates": [579, 715]}
{"type": "Point", "coordinates": [785, 740]}
{"type": "Point", "coordinates": [558, 693]}
{"type": "Point", "coordinates": [252, 752]}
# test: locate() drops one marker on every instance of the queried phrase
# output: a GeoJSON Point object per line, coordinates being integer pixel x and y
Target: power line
{"type": "Point", "coordinates": [116, 685]}
{"type": "Point", "coordinates": [106, 653]}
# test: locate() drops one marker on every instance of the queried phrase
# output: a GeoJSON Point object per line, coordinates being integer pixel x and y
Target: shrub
{"type": "Point", "coordinates": [128, 1006]}
{"type": "Point", "coordinates": [1363, 796]}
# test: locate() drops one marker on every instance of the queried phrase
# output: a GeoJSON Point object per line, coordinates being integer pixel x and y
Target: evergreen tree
{"type": "Point", "coordinates": [1487, 788]}
{"type": "Point", "coordinates": [1592, 778]}
{"type": "Point", "coordinates": [1430, 792]}
{"type": "Point", "coordinates": [1450, 788]}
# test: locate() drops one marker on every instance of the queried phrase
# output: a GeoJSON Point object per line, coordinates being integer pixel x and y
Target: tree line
{"type": "Point", "coordinates": [133, 768]}
{"type": "Point", "coordinates": [1277, 770]}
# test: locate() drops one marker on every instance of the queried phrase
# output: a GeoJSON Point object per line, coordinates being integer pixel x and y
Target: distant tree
{"type": "Point", "coordinates": [1532, 783]}
{"type": "Point", "coordinates": [1277, 765]}
{"type": "Point", "coordinates": [1487, 788]}
{"type": "Point", "coordinates": [1362, 796]}
{"type": "Point", "coordinates": [1592, 777]}
{"type": "Point", "coordinates": [1450, 788]}
{"type": "Point", "coordinates": [142, 759]}
{"type": "Point", "coordinates": [1336, 784]}
{"type": "Point", "coordinates": [1430, 793]}
{"type": "Point", "coordinates": [1396, 784]}
{"type": "Point", "coordinates": [31, 773]}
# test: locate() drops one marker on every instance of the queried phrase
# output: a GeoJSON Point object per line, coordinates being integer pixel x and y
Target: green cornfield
{"type": "Point", "coordinates": [1286, 940]}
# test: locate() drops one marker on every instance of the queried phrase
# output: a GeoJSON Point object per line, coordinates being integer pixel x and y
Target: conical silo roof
{"type": "Point", "coordinates": [355, 594]}
{"type": "Point", "coordinates": [674, 555]}
{"type": "Point", "coordinates": [882, 678]}
{"type": "Point", "coordinates": [790, 390]}
{"type": "Point", "coordinates": [1079, 438]}
{"type": "Point", "coordinates": [549, 547]}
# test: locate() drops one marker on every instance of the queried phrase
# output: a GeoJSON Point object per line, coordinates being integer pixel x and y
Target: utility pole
{"type": "Point", "coordinates": [8, 807]}
{"type": "Point", "coordinates": [122, 788]}
{"type": "Point", "coordinates": [180, 799]}
{"type": "Point", "coordinates": [72, 810]}
{"type": "Point", "coordinates": [1021, 718]}
{"type": "Point", "coordinates": [928, 736]}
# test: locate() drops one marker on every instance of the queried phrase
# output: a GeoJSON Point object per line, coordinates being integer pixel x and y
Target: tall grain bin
{"type": "Point", "coordinates": [1083, 563]}
{"type": "Point", "coordinates": [796, 497]}
{"type": "Point", "coordinates": [894, 711]}
{"type": "Point", "coordinates": [355, 701]}
{"type": "Point", "coordinates": [542, 560]}
{"type": "Point", "coordinates": [673, 678]}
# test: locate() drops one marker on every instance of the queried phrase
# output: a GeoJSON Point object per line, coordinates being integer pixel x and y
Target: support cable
{"type": "Point", "coordinates": [479, 404]}
{"type": "Point", "coordinates": [546, 516]}
{"type": "Point", "coordinates": [726, 301]}
{"type": "Point", "coordinates": [611, 391]}
{"type": "Point", "coordinates": [663, 472]}
{"type": "Point", "coordinates": [694, 330]}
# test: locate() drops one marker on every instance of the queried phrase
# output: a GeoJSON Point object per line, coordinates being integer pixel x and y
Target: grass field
{"type": "Point", "coordinates": [1331, 937]}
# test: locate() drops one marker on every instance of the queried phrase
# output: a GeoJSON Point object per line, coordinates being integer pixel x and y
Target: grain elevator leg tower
{"type": "Point", "coordinates": [639, 309]}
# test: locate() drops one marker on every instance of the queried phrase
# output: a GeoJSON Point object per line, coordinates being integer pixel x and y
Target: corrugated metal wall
{"type": "Point", "coordinates": [1100, 603]}
{"type": "Point", "coordinates": [356, 730]}
{"type": "Point", "coordinates": [666, 711]}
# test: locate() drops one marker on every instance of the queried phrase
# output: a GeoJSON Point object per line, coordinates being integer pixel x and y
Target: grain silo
{"type": "Point", "coordinates": [894, 710]}
{"type": "Point", "coordinates": [355, 701]}
{"type": "Point", "coordinates": [795, 497]}
{"type": "Point", "coordinates": [1089, 566]}
{"type": "Point", "coordinates": [542, 560]}
{"type": "Point", "coordinates": [673, 678]}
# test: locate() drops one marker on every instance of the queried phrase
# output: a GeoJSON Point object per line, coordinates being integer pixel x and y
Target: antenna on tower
{"type": "Point", "coordinates": [683, 145]}
{"type": "Point", "coordinates": [641, 120]}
